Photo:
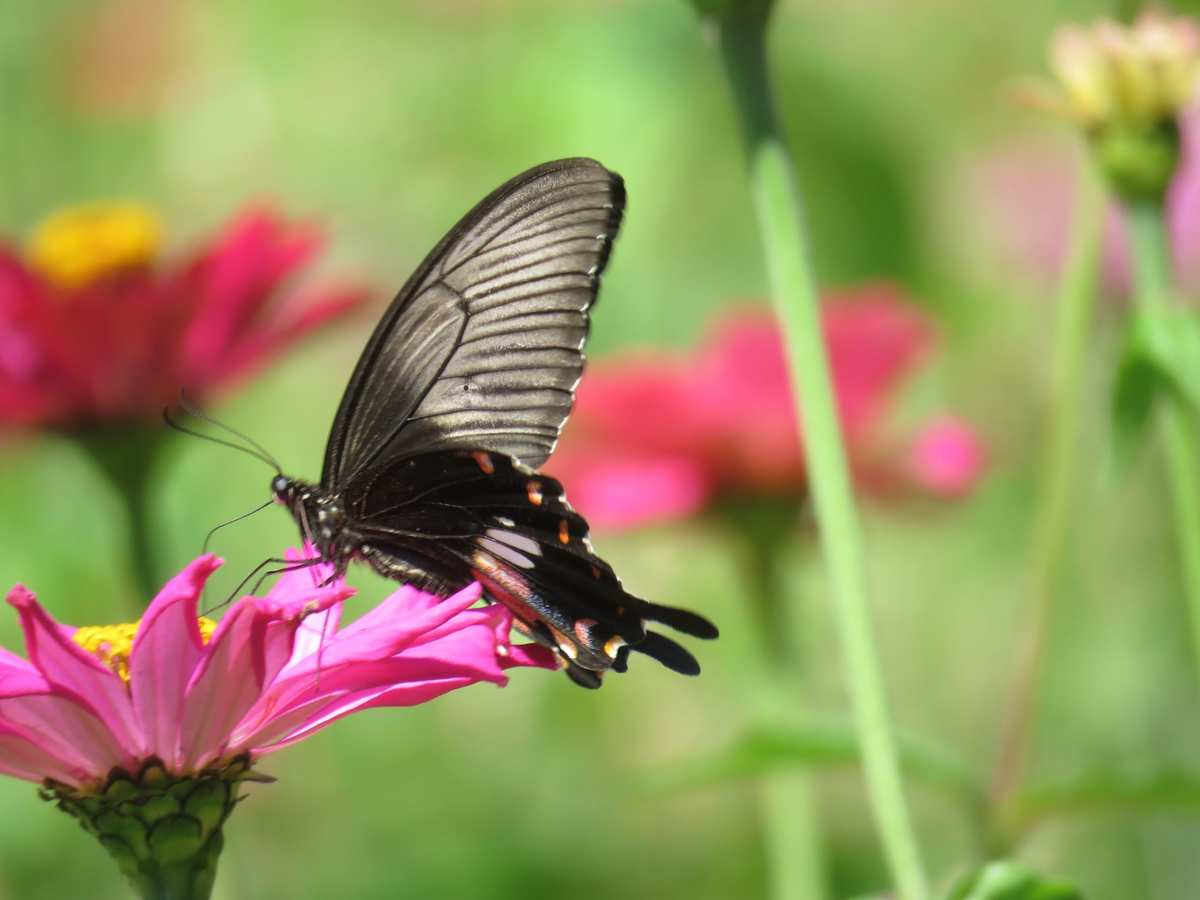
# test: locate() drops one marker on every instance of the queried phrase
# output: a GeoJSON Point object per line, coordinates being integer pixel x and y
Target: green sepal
{"type": "Point", "coordinates": [162, 830]}
{"type": "Point", "coordinates": [1138, 159]}
{"type": "Point", "coordinates": [1008, 880]}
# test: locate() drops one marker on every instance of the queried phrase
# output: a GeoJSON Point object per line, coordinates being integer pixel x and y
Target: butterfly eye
{"type": "Point", "coordinates": [281, 486]}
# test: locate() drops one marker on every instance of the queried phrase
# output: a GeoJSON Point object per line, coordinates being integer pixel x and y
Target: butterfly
{"type": "Point", "coordinates": [431, 468]}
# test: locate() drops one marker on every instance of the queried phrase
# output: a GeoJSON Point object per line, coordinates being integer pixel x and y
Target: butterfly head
{"type": "Point", "coordinates": [318, 513]}
{"type": "Point", "coordinates": [283, 489]}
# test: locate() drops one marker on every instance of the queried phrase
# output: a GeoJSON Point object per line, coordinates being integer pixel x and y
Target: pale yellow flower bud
{"type": "Point", "coordinates": [1117, 74]}
{"type": "Point", "coordinates": [1126, 86]}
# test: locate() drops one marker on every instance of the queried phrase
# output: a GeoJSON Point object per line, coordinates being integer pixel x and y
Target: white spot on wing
{"type": "Point", "coordinates": [506, 552]}
{"type": "Point", "coordinates": [520, 541]}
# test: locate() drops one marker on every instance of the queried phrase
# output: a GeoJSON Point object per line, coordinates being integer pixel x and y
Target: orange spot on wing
{"type": "Point", "coordinates": [485, 461]}
{"type": "Point", "coordinates": [612, 645]}
{"type": "Point", "coordinates": [534, 491]}
{"type": "Point", "coordinates": [564, 533]}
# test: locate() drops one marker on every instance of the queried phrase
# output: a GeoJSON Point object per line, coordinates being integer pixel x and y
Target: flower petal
{"type": "Point", "coordinates": [66, 729]}
{"type": "Point", "coordinates": [68, 666]}
{"type": "Point", "coordinates": [24, 757]}
{"type": "Point", "coordinates": [469, 650]}
{"type": "Point", "coordinates": [225, 683]}
{"type": "Point", "coordinates": [165, 653]}
{"type": "Point", "coordinates": [306, 613]}
{"type": "Point", "coordinates": [402, 618]}
{"type": "Point", "coordinates": [409, 694]}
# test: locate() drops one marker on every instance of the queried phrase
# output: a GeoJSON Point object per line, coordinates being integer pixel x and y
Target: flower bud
{"type": "Point", "coordinates": [1125, 86]}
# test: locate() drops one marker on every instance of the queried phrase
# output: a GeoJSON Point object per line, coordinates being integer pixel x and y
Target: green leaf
{"type": "Point", "coordinates": [1008, 880]}
{"type": "Point", "coordinates": [1107, 790]}
{"type": "Point", "coordinates": [816, 744]}
{"type": "Point", "coordinates": [1162, 357]}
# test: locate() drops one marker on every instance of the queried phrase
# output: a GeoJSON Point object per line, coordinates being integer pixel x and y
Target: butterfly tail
{"type": "Point", "coordinates": [681, 620]}
{"type": "Point", "coordinates": [669, 653]}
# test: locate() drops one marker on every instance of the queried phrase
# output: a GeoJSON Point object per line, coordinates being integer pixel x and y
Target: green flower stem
{"type": "Point", "coordinates": [789, 815]}
{"type": "Point", "coordinates": [126, 456]}
{"type": "Point", "coordinates": [1152, 285]}
{"type": "Point", "coordinates": [1076, 304]}
{"type": "Point", "coordinates": [792, 834]}
{"type": "Point", "coordinates": [742, 36]}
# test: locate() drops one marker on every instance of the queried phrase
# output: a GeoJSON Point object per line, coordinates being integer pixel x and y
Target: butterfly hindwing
{"type": "Point", "coordinates": [447, 518]}
{"type": "Point", "coordinates": [483, 346]}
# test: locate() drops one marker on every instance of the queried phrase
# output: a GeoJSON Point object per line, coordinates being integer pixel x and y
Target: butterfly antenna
{"type": "Point", "coordinates": [176, 426]}
{"type": "Point", "coordinates": [187, 406]}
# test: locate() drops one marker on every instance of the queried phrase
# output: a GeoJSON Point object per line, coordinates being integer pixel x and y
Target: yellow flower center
{"type": "Point", "coordinates": [77, 246]}
{"type": "Point", "coordinates": [111, 644]}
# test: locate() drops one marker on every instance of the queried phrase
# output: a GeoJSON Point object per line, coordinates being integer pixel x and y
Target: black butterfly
{"type": "Point", "coordinates": [458, 398]}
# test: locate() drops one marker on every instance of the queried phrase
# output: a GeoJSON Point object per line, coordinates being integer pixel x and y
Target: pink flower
{"type": "Point", "coordinates": [660, 436]}
{"type": "Point", "coordinates": [275, 670]}
{"type": "Point", "coordinates": [946, 458]}
{"type": "Point", "coordinates": [93, 329]}
{"type": "Point", "coordinates": [1019, 197]}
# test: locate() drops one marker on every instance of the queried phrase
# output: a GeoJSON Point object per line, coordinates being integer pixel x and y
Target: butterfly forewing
{"type": "Point", "coordinates": [483, 347]}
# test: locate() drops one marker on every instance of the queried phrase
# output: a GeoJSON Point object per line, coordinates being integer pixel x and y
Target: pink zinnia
{"type": "Point", "coordinates": [95, 329]}
{"type": "Point", "coordinates": [143, 732]}
{"type": "Point", "coordinates": [275, 670]}
{"type": "Point", "coordinates": [658, 436]}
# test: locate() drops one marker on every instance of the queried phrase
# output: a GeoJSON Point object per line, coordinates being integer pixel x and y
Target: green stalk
{"type": "Point", "coordinates": [788, 810]}
{"type": "Point", "coordinates": [791, 830]}
{"type": "Point", "coordinates": [1152, 286]}
{"type": "Point", "coordinates": [742, 36]}
{"type": "Point", "coordinates": [126, 455]}
{"type": "Point", "coordinates": [1076, 303]}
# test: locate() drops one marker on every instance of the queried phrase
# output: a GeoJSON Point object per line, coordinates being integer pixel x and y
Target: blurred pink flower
{"type": "Point", "coordinates": [1020, 198]}
{"type": "Point", "coordinates": [660, 436]}
{"type": "Point", "coordinates": [93, 330]}
{"type": "Point", "coordinates": [946, 458]}
{"type": "Point", "coordinates": [275, 670]}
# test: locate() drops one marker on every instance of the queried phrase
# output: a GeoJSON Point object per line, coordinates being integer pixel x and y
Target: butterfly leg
{"type": "Point", "coordinates": [241, 584]}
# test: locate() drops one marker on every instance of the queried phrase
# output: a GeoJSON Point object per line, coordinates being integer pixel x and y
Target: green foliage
{"type": "Point", "coordinates": [1128, 789]}
{"type": "Point", "coordinates": [1007, 880]}
{"type": "Point", "coordinates": [1161, 356]}
{"type": "Point", "coordinates": [816, 744]}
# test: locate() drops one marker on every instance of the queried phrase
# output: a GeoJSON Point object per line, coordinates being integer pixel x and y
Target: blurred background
{"type": "Point", "coordinates": [383, 123]}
